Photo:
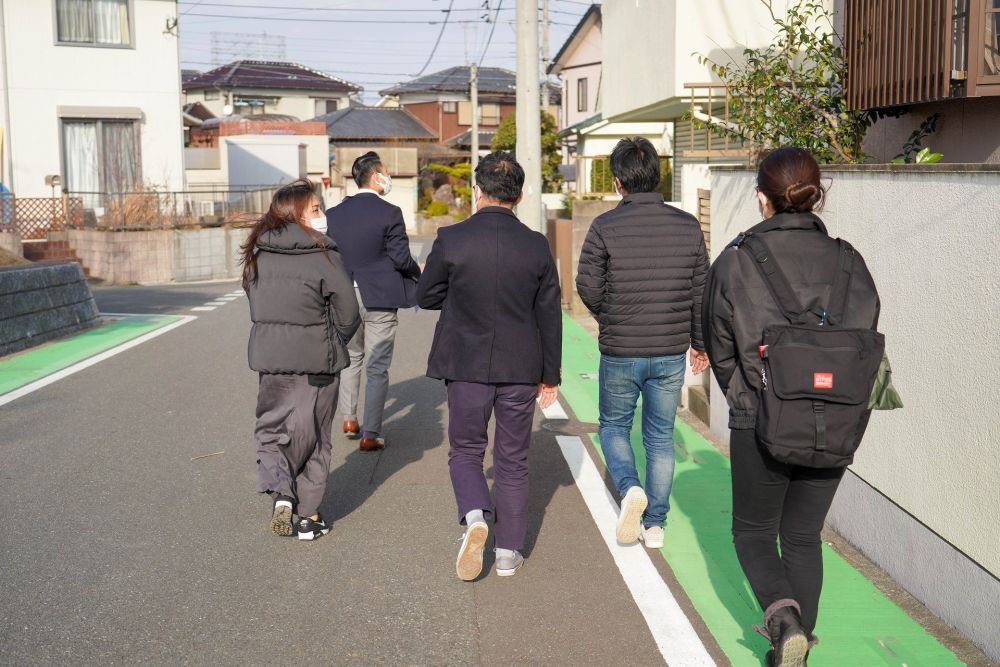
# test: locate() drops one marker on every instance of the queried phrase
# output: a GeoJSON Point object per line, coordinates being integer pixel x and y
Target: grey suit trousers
{"type": "Point", "coordinates": [370, 349]}
{"type": "Point", "coordinates": [294, 419]}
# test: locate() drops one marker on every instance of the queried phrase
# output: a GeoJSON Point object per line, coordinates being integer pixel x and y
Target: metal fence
{"type": "Point", "coordinates": [149, 210]}
{"type": "Point", "coordinates": [34, 217]}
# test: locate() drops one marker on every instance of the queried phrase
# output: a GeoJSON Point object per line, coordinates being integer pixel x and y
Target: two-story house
{"type": "Point", "coordinates": [250, 87]}
{"type": "Point", "coordinates": [89, 92]}
{"type": "Point", "coordinates": [587, 137]}
{"type": "Point", "coordinates": [441, 100]}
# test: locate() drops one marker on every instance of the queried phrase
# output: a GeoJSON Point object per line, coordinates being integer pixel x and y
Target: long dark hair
{"type": "Point", "coordinates": [789, 178]}
{"type": "Point", "coordinates": [287, 207]}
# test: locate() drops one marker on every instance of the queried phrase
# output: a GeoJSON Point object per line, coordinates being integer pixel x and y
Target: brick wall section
{"type": "Point", "coordinates": [160, 256]}
{"type": "Point", "coordinates": [41, 303]}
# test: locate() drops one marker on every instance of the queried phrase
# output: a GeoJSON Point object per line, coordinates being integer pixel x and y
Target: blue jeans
{"type": "Point", "coordinates": [659, 381]}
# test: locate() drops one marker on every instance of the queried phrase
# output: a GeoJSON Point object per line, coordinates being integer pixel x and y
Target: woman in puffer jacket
{"type": "Point", "coordinates": [304, 311]}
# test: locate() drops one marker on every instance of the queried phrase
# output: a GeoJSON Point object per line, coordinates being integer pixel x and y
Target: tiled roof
{"type": "Point", "coordinates": [359, 124]}
{"type": "Point", "coordinates": [265, 74]}
{"type": "Point", "coordinates": [492, 81]}
{"type": "Point", "coordinates": [465, 139]}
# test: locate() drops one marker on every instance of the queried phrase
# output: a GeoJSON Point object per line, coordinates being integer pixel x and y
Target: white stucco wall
{"type": "Point", "coordinates": [669, 32]}
{"type": "Point", "coordinates": [44, 75]}
{"type": "Point", "coordinates": [298, 103]}
{"type": "Point", "coordinates": [583, 61]}
{"type": "Point", "coordinates": [317, 160]}
{"type": "Point", "coordinates": [932, 243]}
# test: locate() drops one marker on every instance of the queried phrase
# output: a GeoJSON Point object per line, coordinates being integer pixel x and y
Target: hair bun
{"type": "Point", "coordinates": [802, 196]}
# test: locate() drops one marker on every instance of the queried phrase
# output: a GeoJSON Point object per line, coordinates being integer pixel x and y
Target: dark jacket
{"type": "Point", "coordinates": [642, 272]}
{"type": "Point", "coordinates": [372, 239]}
{"type": "Point", "coordinates": [496, 285]}
{"type": "Point", "coordinates": [302, 306]}
{"type": "Point", "coordinates": [738, 304]}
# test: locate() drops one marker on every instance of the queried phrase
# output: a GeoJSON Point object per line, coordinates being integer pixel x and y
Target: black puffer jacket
{"type": "Point", "coordinates": [303, 305]}
{"type": "Point", "coordinates": [642, 273]}
{"type": "Point", "coordinates": [738, 304]}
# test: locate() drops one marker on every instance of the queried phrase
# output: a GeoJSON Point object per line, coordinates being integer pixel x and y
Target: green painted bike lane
{"type": "Point", "coordinates": [858, 624]}
{"type": "Point", "coordinates": [26, 367]}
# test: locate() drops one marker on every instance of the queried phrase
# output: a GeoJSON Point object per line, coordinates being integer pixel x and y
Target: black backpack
{"type": "Point", "coordinates": [817, 375]}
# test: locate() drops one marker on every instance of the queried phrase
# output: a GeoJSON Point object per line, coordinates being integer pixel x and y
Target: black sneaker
{"type": "Point", "coordinates": [281, 516]}
{"type": "Point", "coordinates": [310, 529]}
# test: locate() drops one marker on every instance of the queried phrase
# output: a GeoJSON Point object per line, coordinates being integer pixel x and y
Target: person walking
{"type": "Point", "coordinates": [304, 311]}
{"type": "Point", "coordinates": [774, 500]}
{"type": "Point", "coordinates": [372, 236]}
{"type": "Point", "coordinates": [498, 347]}
{"type": "Point", "coordinates": [641, 274]}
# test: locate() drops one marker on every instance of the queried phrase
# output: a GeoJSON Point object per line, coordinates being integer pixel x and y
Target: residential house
{"type": "Point", "coordinates": [587, 137]}
{"type": "Point", "coordinates": [441, 100]}
{"type": "Point", "coordinates": [952, 73]}
{"type": "Point", "coordinates": [89, 92]}
{"type": "Point", "coordinates": [401, 140]}
{"type": "Point", "coordinates": [249, 87]}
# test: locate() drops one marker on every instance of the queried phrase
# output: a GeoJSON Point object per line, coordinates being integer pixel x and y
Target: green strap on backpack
{"type": "Point", "coordinates": [884, 395]}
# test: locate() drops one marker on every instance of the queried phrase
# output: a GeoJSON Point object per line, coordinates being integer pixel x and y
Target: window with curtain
{"type": "Point", "coordinates": [98, 22]}
{"type": "Point", "coordinates": [100, 156]}
{"type": "Point", "coordinates": [581, 94]}
{"type": "Point", "coordinates": [326, 106]}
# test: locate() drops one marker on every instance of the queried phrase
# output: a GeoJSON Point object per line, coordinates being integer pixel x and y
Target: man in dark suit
{"type": "Point", "coordinates": [498, 346]}
{"type": "Point", "coordinates": [376, 251]}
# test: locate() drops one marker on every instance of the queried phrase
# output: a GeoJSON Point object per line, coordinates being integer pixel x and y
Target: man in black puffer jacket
{"type": "Point", "coordinates": [642, 273]}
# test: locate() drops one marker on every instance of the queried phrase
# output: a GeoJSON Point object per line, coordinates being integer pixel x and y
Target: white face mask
{"type": "Point", "coordinates": [319, 224]}
{"type": "Point", "coordinates": [385, 181]}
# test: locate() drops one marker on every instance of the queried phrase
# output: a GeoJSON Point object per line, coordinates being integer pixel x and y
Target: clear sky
{"type": "Point", "coordinates": [373, 43]}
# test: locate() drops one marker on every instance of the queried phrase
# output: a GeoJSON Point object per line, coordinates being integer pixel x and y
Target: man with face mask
{"type": "Point", "coordinates": [372, 238]}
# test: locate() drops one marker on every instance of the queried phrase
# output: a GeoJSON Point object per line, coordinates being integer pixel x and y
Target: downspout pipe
{"type": "Point", "coordinates": [8, 134]}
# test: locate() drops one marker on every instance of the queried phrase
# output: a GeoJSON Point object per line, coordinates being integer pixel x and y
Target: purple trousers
{"type": "Point", "coordinates": [469, 408]}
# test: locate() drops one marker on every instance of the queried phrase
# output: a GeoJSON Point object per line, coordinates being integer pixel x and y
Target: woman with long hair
{"type": "Point", "coordinates": [775, 500]}
{"type": "Point", "coordinates": [304, 310]}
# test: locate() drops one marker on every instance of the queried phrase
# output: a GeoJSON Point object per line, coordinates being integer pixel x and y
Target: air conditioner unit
{"type": "Point", "coordinates": [206, 208]}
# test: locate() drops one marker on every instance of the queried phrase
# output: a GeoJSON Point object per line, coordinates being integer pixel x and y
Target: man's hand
{"type": "Point", "coordinates": [699, 361]}
{"type": "Point", "coordinates": [547, 394]}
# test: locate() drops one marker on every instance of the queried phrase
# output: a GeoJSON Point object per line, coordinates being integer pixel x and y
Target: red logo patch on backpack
{"type": "Point", "coordinates": [822, 380]}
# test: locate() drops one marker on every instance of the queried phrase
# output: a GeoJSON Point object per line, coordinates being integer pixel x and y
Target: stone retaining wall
{"type": "Point", "coordinates": [11, 241]}
{"type": "Point", "coordinates": [40, 303]}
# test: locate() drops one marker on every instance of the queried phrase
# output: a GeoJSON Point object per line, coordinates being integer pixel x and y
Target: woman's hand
{"type": "Point", "coordinates": [547, 394]}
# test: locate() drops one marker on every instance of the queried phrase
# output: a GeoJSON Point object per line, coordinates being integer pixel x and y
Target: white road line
{"type": "Point", "coordinates": [674, 635]}
{"type": "Point", "coordinates": [227, 299]}
{"type": "Point", "coordinates": [215, 303]}
{"type": "Point", "coordinates": [240, 293]}
{"type": "Point", "coordinates": [203, 308]}
{"type": "Point", "coordinates": [96, 359]}
{"type": "Point", "coordinates": [555, 411]}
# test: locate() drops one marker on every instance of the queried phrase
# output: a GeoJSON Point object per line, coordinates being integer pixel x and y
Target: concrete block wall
{"type": "Point", "coordinates": [160, 256]}
{"type": "Point", "coordinates": [40, 303]}
{"type": "Point", "coordinates": [11, 241]}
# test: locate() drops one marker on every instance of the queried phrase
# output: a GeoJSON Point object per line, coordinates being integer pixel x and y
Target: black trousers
{"type": "Point", "coordinates": [774, 502]}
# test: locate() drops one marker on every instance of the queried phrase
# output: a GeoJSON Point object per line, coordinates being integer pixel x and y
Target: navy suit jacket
{"type": "Point", "coordinates": [496, 285]}
{"type": "Point", "coordinates": [372, 239]}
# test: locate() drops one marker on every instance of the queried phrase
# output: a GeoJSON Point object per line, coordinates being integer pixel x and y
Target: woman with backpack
{"type": "Point", "coordinates": [304, 311]}
{"type": "Point", "coordinates": [789, 320]}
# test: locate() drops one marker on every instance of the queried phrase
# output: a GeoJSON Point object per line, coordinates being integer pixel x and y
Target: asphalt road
{"type": "Point", "coordinates": [118, 547]}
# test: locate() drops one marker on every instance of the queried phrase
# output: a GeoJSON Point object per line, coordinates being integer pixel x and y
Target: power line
{"type": "Point", "coordinates": [348, 9]}
{"type": "Point", "coordinates": [440, 35]}
{"type": "Point", "coordinates": [318, 20]}
{"type": "Point", "coordinates": [493, 27]}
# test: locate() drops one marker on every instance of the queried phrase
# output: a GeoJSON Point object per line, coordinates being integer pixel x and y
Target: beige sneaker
{"type": "Point", "coordinates": [630, 519]}
{"type": "Point", "coordinates": [469, 563]}
{"type": "Point", "coordinates": [652, 537]}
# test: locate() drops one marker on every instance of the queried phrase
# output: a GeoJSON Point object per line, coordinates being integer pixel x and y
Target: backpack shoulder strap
{"type": "Point", "coordinates": [841, 289]}
{"type": "Point", "coordinates": [774, 278]}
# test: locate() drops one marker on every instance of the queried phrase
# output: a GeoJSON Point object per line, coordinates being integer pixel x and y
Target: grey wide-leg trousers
{"type": "Point", "coordinates": [294, 419]}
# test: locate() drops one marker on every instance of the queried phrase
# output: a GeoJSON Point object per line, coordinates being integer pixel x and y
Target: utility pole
{"type": "Point", "coordinates": [545, 54]}
{"type": "Point", "coordinates": [474, 101]}
{"type": "Point", "coordinates": [529, 131]}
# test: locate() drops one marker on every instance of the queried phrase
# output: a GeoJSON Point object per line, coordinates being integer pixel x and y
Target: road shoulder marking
{"type": "Point", "coordinates": [675, 637]}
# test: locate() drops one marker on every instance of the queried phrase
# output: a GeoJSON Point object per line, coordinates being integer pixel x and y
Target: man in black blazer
{"type": "Point", "coordinates": [376, 250]}
{"type": "Point", "coordinates": [498, 346]}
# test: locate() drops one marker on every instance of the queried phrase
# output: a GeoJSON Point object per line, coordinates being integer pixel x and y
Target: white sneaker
{"type": "Point", "coordinates": [630, 519]}
{"type": "Point", "coordinates": [652, 537]}
{"type": "Point", "coordinates": [469, 563]}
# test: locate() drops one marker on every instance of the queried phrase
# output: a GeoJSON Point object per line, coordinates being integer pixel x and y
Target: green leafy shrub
{"type": "Point", "coordinates": [436, 208]}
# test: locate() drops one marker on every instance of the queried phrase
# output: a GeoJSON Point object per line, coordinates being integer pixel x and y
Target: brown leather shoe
{"type": "Point", "coordinates": [372, 444]}
{"type": "Point", "coordinates": [351, 428]}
